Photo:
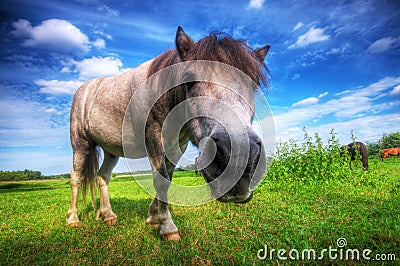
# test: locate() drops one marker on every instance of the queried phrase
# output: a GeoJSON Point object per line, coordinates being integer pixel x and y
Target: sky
{"type": "Point", "coordinates": [333, 64]}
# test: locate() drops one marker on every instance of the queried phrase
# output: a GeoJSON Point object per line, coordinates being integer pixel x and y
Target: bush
{"type": "Point", "coordinates": [312, 161]}
{"type": "Point", "coordinates": [20, 175]}
{"type": "Point", "coordinates": [386, 141]}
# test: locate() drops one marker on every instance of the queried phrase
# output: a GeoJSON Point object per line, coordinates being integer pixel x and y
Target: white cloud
{"type": "Point", "coordinates": [30, 136]}
{"type": "Point", "coordinates": [296, 76]}
{"type": "Point", "coordinates": [383, 45]}
{"type": "Point", "coordinates": [96, 67]}
{"type": "Point", "coordinates": [54, 34]}
{"type": "Point", "coordinates": [395, 91]}
{"type": "Point", "coordinates": [28, 123]}
{"type": "Point", "coordinates": [323, 95]}
{"type": "Point", "coordinates": [99, 44]}
{"type": "Point", "coordinates": [86, 69]}
{"type": "Point", "coordinates": [306, 102]}
{"type": "Point", "coordinates": [256, 3]}
{"type": "Point", "coordinates": [367, 128]}
{"type": "Point", "coordinates": [102, 33]}
{"type": "Point", "coordinates": [57, 87]}
{"type": "Point", "coordinates": [349, 108]}
{"type": "Point", "coordinates": [51, 111]}
{"type": "Point", "coordinates": [312, 36]}
{"type": "Point", "coordinates": [298, 25]}
{"type": "Point", "coordinates": [341, 50]}
{"type": "Point", "coordinates": [108, 10]}
{"type": "Point", "coordinates": [309, 101]}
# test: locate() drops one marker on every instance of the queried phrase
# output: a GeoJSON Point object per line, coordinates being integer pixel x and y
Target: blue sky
{"type": "Point", "coordinates": [333, 64]}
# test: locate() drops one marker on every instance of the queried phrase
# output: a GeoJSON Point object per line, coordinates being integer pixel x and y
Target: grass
{"type": "Point", "coordinates": [284, 214]}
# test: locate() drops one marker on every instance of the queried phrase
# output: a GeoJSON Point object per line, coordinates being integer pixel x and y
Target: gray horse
{"type": "Point", "coordinates": [99, 114]}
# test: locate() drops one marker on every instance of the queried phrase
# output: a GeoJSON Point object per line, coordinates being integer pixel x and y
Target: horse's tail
{"type": "Point", "coordinates": [90, 175]}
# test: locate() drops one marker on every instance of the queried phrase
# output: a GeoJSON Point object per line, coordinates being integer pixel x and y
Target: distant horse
{"type": "Point", "coordinates": [100, 106]}
{"type": "Point", "coordinates": [352, 149]}
{"type": "Point", "coordinates": [390, 151]}
{"type": "Point", "coordinates": [196, 165]}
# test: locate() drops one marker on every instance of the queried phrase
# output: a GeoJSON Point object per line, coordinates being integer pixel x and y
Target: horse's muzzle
{"type": "Point", "coordinates": [231, 187]}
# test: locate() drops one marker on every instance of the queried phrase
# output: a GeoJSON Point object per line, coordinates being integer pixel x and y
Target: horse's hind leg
{"type": "Point", "coordinates": [105, 213]}
{"type": "Point", "coordinates": [72, 214]}
{"type": "Point", "coordinates": [82, 152]}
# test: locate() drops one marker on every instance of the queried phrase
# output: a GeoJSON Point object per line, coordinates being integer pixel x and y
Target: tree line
{"type": "Point", "coordinates": [27, 175]}
{"type": "Point", "coordinates": [390, 140]}
{"type": "Point", "coordinates": [20, 175]}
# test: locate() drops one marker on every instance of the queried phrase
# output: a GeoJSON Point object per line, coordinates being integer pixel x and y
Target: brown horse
{"type": "Point", "coordinates": [128, 115]}
{"type": "Point", "coordinates": [390, 151]}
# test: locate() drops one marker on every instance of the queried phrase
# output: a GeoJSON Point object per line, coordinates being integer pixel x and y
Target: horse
{"type": "Point", "coordinates": [354, 148]}
{"type": "Point", "coordinates": [100, 107]}
{"type": "Point", "coordinates": [390, 151]}
{"type": "Point", "coordinates": [196, 165]}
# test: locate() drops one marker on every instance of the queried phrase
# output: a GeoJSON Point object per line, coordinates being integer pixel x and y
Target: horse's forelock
{"type": "Point", "coordinates": [221, 48]}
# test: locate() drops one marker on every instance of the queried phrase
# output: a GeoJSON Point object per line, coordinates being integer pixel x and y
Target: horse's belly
{"type": "Point", "coordinates": [128, 150]}
{"type": "Point", "coordinates": [116, 138]}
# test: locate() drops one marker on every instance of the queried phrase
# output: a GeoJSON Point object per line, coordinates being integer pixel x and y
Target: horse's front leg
{"type": "Point", "coordinates": [163, 169]}
{"type": "Point", "coordinates": [159, 214]}
{"type": "Point", "coordinates": [153, 220]}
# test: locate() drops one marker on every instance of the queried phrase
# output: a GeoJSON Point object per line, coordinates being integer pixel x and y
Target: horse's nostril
{"type": "Point", "coordinates": [259, 142]}
{"type": "Point", "coordinates": [216, 138]}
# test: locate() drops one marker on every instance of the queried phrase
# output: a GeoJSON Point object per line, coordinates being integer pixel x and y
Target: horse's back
{"type": "Point", "coordinates": [99, 107]}
{"type": "Point", "coordinates": [392, 151]}
{"type": "Point", "coordinates": [354, 146]}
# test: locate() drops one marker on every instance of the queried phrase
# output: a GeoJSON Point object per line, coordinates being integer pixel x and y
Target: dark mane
{"type": "Point", "coordinates": [221, 48]}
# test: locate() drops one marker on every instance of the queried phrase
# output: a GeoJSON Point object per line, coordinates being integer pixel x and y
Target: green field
{"type": "Point", "coordinates": [284, 214]}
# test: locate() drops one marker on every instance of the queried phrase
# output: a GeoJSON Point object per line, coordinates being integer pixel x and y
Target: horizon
{"type": "Point", "coordinates": [333, 65]}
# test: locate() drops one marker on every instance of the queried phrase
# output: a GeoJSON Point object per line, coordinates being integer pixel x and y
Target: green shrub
{"type": "Point", "coordinates": [20, 175]}
{"type": "Point", "coordinates": [390, 140]}
{"type": "Point", "coordinates": [312, 161]}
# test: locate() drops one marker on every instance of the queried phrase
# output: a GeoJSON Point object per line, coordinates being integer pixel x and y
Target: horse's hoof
{"type": "Point", "coordinates": [173, 236]}
{"type": "Point", "coordinates": [155, 226]}
{"type": "Point", "coordinates": [111, 221]}
{"type": "Point", "coordinates": [74, 225]}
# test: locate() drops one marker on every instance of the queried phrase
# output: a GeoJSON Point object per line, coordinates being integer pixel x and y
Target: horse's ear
{"type": "Point", "coordinates": [261, 53]}
{"type": "Point", "coordinates": [183, 43]}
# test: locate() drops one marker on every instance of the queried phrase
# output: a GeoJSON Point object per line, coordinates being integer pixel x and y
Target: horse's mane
{"type": "Point", "coordinates": [221, 48]}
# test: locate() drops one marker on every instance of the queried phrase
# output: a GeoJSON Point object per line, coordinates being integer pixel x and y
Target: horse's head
{"type": "Point", "coordinates": [232, 158]}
